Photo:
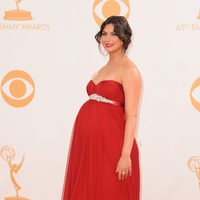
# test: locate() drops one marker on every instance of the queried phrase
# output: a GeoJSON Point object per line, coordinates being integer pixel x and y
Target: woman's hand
{"type": "Point", "coordinates": [124, 165]}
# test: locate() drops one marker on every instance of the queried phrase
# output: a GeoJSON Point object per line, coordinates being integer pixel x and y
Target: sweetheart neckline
{"type": "Point", "coordinates": [105, 81]}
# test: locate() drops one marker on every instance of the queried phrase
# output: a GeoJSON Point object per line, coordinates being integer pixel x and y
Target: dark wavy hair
{"type": "Point", "coordinates": [121, 29]}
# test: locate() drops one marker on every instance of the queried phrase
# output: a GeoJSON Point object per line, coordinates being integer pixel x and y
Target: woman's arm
{"type": "Point", "coordinates": [132, 89]}
{"type": "Point", "coordinates": [131, 81]}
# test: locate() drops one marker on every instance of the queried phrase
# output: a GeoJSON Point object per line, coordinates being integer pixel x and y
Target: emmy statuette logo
{"type": "Point", "coordinates": [19, 19]}
{"type": "Point", "coordinates": [17, 14]}
{"type": "Point", "coordinates": [8, 154]}
{"type": "Point", "coordinates": [194, 166]}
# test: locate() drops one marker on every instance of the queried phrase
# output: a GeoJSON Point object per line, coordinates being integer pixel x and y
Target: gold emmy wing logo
{"type": "Point", "coordinates": [195, 94]}
{"type": "Point", "coordinates": [103, 9]}
{"type": "Point", "coordinates": [17, 14]}
{"type": "Point", "coordinates": [17, 88]}
{"type": "Point", "coordinates": [194, 166]}
{"type": "Point", "coordinates": [8, 154]}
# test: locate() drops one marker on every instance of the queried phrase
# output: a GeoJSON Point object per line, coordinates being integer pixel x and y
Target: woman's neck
{"type": "Point", "coordinates": [116, 58]}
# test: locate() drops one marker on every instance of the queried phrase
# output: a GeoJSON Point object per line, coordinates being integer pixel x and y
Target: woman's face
{"type": "Point", "coordinates": [110, 41]}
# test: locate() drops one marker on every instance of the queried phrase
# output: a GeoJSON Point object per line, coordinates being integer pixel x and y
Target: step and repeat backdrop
{"type": "Point", "coordinates": [48, 55]}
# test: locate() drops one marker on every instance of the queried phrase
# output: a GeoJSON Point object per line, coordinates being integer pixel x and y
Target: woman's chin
{"type": "Point", "coordinates": [111, 50]}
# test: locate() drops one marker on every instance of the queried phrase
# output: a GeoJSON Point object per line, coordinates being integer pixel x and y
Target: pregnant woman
{"type": "Point", "coordinates": [103, 157]}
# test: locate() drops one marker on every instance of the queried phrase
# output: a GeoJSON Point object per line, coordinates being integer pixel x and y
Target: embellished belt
{"type": "Point", "coordinates": [98, 97]}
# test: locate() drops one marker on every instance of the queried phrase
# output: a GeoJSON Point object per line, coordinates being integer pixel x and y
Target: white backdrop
{"type": "Point", "coordinates": [48, 54]}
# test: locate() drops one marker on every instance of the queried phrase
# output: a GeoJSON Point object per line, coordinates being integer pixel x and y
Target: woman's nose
{"type": "Point", "coordinates": [108, 38]}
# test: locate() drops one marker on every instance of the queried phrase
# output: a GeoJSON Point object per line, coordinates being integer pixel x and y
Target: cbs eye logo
{"type": "Point", "coordinates": [17, 88]}
{"type": "Point", "coordinates": [195, 94]}
{"type": "Point", "coordinates": [103, 9]}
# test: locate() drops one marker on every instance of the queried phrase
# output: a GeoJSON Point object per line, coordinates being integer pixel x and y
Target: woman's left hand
{"type": "Point", "coordinates": [124, 165]}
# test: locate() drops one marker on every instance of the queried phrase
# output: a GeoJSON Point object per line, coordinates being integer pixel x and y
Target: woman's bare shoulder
{"type": "Point", "coordinates": [97, 72]}
{"type": "Point", "coordinates": [130, 69]}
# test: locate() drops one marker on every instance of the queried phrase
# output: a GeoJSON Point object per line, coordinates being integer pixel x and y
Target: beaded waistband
{"type": "Point", "coordinates": [100, 98]}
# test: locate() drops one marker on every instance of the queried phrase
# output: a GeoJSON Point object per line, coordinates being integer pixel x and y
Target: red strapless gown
{"type": "Point", "coordinates": [95, 148]}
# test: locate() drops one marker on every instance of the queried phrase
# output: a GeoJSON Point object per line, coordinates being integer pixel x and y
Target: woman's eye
{"type": "Point", "coordinates": [111, 34]}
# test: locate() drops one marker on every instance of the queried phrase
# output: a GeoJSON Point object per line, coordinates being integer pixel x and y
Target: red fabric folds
{"type": "Point", "coordinates": [95, 148]}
